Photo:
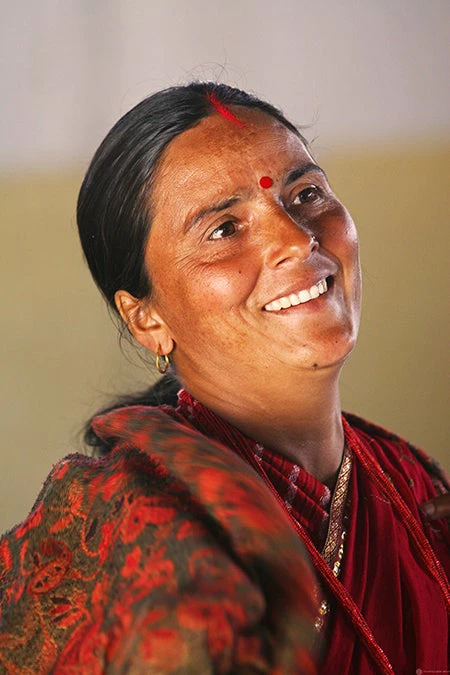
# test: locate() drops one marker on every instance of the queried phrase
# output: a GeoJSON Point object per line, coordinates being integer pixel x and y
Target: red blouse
{"type": "Point", "coordinates": [389, 607]}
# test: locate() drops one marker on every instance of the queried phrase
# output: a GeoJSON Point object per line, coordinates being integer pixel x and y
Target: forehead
{"type": "Point", "coordinates": [218, 157]}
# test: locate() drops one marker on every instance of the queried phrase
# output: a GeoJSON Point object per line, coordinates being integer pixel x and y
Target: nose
{"type": "Point", "coordinates": [286, 239]}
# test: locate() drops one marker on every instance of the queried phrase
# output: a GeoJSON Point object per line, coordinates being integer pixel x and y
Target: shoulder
{"type": "Point", "coordinates": [168, 520]}
{"type": "Point", "coordinates": [86, 506]}
{"type": "Point", "coordinates": [169, 440]}
{"type": "Point", "coordinates": [421, 471]}
{"type": "Point", "coordinates": [161, 475]}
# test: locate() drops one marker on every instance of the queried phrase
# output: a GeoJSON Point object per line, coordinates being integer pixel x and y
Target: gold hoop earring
{"type": "Point", "coordinates": [163, 367]}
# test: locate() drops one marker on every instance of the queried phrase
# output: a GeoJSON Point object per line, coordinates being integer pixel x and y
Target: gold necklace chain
{"type": "Point", "coordinates": [333, 550]}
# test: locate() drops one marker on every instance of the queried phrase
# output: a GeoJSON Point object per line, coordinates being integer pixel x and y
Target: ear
{"type": "Point", "coordinates": [144, 323]}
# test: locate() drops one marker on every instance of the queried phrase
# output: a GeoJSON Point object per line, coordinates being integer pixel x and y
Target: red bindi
{"type": "Point", "coordinates": [266, 182]}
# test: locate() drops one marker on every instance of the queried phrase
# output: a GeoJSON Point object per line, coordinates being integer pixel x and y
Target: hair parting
{"type": "Point", "coordinates": [222, 110]}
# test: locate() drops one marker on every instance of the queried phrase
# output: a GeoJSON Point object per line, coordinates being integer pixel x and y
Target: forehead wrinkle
{"type": "Point", "coordinates": [182, 204]}
{"type": "Point", "coordinates": [238, 141]}
{"type": "Point", "coordinates": [219, 144]}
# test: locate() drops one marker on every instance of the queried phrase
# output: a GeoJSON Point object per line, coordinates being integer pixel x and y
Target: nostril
{"type": "Point", "coordinates": [287, 239]}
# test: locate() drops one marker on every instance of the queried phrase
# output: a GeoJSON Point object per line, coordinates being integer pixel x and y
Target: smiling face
{"type": "Point", "coordinates": [250, 275]}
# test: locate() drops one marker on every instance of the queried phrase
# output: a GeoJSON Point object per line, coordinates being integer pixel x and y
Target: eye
{"type": "Point", "coordinates": [226, 229]}
{"type": "Point", "coordinates": [310, 194]}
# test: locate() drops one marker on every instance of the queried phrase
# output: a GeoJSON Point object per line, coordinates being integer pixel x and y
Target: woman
{"type": "Point", "coordinates": [209, 227]}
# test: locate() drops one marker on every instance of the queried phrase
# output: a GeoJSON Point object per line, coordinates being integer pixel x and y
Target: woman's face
{"type": "Point", "coordinates": [250, 274]}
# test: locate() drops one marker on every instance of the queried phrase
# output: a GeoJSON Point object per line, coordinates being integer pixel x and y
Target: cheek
{"type": "Point", "coordinates": [223, 278]}
{"type": "Point", "coordinates": [350, 234]}
{"type": "Point", "coordinates": [215, 299]}
{"type": "Point", "coordinates": [341, 239]}
{"type": "Point", "coordinates": [350, 248]}
{"type": "Point", "coordinates": [193, 295]}
{"type": "Point", "coordinates": [226, 284]}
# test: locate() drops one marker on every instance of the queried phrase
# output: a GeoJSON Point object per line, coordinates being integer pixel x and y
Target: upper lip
{"type": "Point", "coordinates": [300, 286]}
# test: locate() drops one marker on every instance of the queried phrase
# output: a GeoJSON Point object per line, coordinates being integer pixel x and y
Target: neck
{"type": "Point", "coordinates": [303, 421]}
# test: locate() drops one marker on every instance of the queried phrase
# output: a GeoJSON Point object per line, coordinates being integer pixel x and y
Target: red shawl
{"type": "Point", "coordinates": [389, 578]}
{"type": "Point", "coordinates": [169, 555]}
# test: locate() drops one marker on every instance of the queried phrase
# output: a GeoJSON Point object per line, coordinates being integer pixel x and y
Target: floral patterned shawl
{"type": "Point", "coordinates": [169, 555]}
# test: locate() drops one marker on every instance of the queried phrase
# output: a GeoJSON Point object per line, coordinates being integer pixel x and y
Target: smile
{"type": "Point", "coordinates": [299, 298]}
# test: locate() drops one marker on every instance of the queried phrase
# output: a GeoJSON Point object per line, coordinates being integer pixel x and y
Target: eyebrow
{"type": "Point", "coordinates": [291, 177]}
{"type": "Point", "coordinates": [214, 208]}
{"type": "Point", "coordinates": [295, 174]}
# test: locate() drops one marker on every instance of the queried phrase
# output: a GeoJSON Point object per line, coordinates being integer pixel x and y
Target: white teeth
{"type": "Point", "coordinates": [322, 286]}
{"type": "Point", "coordinates": [298, 298]}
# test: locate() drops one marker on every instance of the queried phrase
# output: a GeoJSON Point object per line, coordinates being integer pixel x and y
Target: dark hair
{"type": "Point", "coordinates": [114, 205]}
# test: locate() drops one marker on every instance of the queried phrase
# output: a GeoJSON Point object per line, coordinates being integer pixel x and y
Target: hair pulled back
{"type": "Point", "coordinates": [114, 210]}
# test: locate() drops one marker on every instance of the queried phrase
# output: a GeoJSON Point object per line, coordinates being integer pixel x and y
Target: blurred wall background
{"type": "Point", "coordinates": [369, 76]}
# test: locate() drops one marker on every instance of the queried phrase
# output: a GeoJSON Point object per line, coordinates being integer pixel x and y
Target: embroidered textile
{"type": "Point", "coordinates": [166, 556]}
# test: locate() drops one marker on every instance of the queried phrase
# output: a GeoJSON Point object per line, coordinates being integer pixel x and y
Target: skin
{"type": "Point", "coordinates": [436, 508]}
{"type": "Point", "coordinates": [274, 375]}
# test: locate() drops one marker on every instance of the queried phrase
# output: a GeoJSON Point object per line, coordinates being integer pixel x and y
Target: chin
{"type": "Point", "coordinates": [334, 353]}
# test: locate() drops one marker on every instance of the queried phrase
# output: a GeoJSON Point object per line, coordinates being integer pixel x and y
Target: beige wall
{"type": "Point", "coordinates": [360, 69]}
{"type": "Point", "coordinates": [398, 374]}
{"type": "Point", "coordinates": [60, 356]}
